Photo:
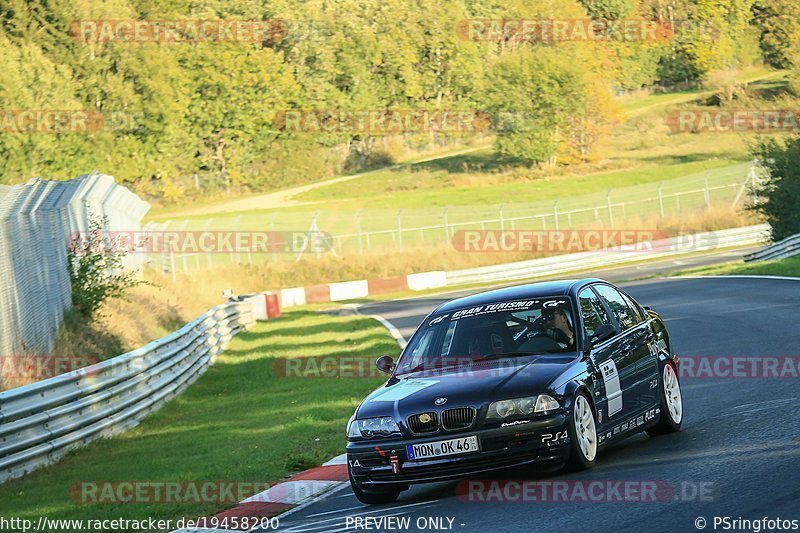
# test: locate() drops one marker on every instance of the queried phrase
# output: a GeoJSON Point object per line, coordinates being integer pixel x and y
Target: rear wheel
{"type": "Point", "coordinates": [374, 496]}
{"type": "Point", "coordinates": [671, 412]}
{"type": "Point", "coordinates": [582, 435]}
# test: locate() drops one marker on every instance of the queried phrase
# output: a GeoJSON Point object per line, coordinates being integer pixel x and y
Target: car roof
{"type": "Point", "coordinates": [530, 290]}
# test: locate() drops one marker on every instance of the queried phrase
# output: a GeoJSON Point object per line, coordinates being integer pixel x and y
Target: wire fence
{"type": "Point", "coordinates": [37, 220]}
{"type": "Point", "coordinates": [346, 232]}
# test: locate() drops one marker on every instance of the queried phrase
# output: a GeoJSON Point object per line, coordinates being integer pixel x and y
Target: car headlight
{"type": "Point", "coordinates": [371, 427]}
{"type": "Point", "coordinates": [522, 406]}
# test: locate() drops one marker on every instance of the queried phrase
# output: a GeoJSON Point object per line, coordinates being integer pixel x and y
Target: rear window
{"type": "Point", "coordinates": [500, 329]}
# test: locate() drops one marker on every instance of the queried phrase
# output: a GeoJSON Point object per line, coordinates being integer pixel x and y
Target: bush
{"type": "Point", "coordinates": [96, 270]}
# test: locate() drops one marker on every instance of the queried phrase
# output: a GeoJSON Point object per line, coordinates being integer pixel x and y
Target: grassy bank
{"type": "Point", "coordinates": [240, 421]}
{"type": "Point", "coordinates": [780, 267]}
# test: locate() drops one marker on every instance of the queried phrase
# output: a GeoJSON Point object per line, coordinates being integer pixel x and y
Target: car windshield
{"type": "Point", "coordinates": [491, 331]}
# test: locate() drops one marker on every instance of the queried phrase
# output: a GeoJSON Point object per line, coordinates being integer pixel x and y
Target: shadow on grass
{"type": "Point", "coordinates": [466, 163]}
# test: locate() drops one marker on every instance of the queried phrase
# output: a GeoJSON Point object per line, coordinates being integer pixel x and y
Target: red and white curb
{"type": "Point", "coordinates": [297, 491]}
{"type": "Point", "coordinates": [349, 290]}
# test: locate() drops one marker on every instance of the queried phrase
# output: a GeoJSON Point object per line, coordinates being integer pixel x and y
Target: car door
{"type": "Point", "coordinates": [635, 337]}
{"type": "Point", "coordinates": [608, 356]}
{"type": "Point", "coordinates": [647, 366]}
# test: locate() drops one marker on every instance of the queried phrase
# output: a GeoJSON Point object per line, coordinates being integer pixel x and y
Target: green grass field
{"type": "Point", "coordinates": [239, 422]}
{"type": "Point", "coordinates": [407, 205]}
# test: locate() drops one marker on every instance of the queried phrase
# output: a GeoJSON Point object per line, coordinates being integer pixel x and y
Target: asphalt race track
{"type": "Point", "coordinates": [737, 456]}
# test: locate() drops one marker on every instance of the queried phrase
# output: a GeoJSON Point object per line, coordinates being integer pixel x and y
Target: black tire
{"type": "Point", "coordinates": [666, 421]}
{"type": "Point", "coordinates": [578, 458]}
{"type": "Point", "coordinates": [374, 497]}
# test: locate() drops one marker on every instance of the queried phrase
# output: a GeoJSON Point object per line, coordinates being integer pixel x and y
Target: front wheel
{"type": "Point", "coordinates": [374, 496]}
{"type": "Point", "coordinates": [582, 435]}
{"type": "Point", "coordinates": [671, 414]}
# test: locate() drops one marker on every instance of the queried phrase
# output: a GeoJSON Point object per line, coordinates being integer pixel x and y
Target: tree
{"type": "Point", "coordinates": [547, 102]}
{"type": "Point", "coordinates": [780, 192]}
{"type": "Point", "coordinates": [778, 22]}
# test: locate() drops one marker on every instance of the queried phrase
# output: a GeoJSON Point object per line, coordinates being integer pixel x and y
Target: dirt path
{"type": "Point", "coordinates": [284, 198]}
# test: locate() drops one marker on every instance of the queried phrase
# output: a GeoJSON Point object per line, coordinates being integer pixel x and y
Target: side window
{"type": "Point", "coordinates": [635, 309]}
{"type": "Point", "coordinates": [594, 314]}
{"type": "Point", "coordinates": [418, 351]}
{"type": "Point", "coordinates": [624, 314]}
{"type": "Point", "coordinates": [447, 344]}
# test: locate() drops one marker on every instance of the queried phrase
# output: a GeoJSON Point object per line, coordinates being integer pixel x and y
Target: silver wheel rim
{"type": "Point", "coordinates": [672, 393]}
{"type": "Point", "coordinates": [585, 430]}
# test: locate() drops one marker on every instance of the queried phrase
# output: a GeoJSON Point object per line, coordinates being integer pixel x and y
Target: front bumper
{"type": "Point", "coordinates": [540, 441]}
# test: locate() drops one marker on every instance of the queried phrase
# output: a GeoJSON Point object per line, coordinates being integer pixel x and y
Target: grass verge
{"type": "Point", "coordinates": [779, 267]}
{"type": "Point", "coordinates": [239, 422]}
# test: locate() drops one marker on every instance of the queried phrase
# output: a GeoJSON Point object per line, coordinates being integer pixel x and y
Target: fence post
{"type": "Point", "coordinates": [172, 264]}
{"type": "Point", "coordinates": [708, 193]}
{"type": "Point", "coordinates": [273, 237]}
{"type": "Point", "coordinates": [502, 224]}
{"type": "Point", "coordinates": [661, 199]}
{"type": "Point", "coordinates": [208, 253]}
{"type": "Point", "coordinates": [163, 229]}
{"type": "Point", "coordinates": [610, 210]}
{"type": "Point", "coordinates": [555, 213]}
{"type": "Point", "coordinates": [236, 247]}
{"type": "Point", "coordinates": [750, 179]}
{"type": "Point", "coordinates": [399, 229]}
{"type": "Point", "coordinates": [446, 228]}
{"type": "Point", "coordinates": [358, 231]}
{"type": "Point", "coordinates": [182, 238]}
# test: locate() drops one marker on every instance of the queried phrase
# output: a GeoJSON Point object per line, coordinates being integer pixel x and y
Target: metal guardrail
{"type": "Point", "coordinates": [788, 247]}
{"type": "Point", "coordinates": [560, 264]}
{"type": "Point", "coordinates": [42, 421]}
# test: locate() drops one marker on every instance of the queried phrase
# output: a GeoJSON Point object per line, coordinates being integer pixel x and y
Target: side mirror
{"type": "Point", "coordinates": [603, 333]}
{"type": "Point", "coordinates": [385, 364]}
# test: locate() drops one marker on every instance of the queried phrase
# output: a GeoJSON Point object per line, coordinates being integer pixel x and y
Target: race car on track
{"type": "Point", "coordinates": [547, 373]}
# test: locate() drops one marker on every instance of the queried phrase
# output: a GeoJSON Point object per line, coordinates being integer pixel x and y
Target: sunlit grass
{"type": "Point", "coordinates": [238, 422]}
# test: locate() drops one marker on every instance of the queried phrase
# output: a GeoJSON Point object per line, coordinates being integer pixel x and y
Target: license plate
{"type": "Point", "coordinates": [442, 448]}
